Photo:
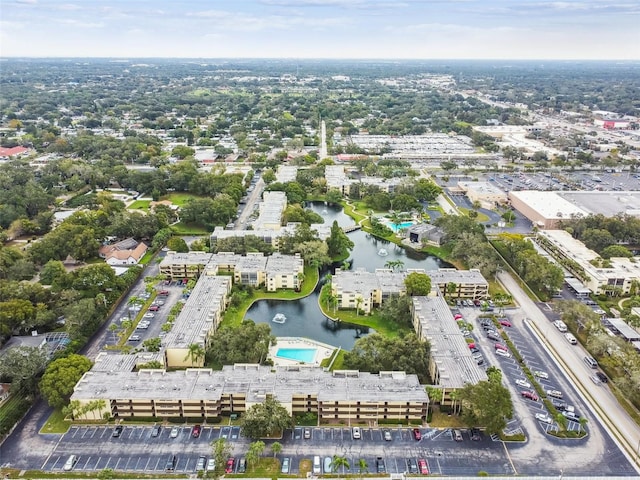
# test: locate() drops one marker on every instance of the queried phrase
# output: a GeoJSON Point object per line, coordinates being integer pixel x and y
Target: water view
{"type": "Point", "coordinates": [304, 317]}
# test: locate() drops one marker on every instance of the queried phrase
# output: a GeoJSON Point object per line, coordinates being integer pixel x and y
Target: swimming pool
{"type": "Point", "coordinates": [306, 355]}
{"type": "Point", "coordinates": [396, 227]}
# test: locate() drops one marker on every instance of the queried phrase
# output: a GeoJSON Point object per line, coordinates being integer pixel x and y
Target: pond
{"type": "Point", "coordinates": [304, 317]}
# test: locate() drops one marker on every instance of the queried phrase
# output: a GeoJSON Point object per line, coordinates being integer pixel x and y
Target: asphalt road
{"type": "Point", "coordinates": [598, 400]}
{"type": "Point", "coordinates": [253, 198]}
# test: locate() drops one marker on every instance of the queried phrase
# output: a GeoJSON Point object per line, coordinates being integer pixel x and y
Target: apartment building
{"type": "Point", "coordinates": [198, 393]}
{"type": "Point", "coordinates": [451, 365]}
{"type": "Point", "coordinates": [460, 283]}
{"type": "Point", "coordinates": [283, 271]}
{"type": "Point", "coordinates": [270, 236]}
{"type": "Point", "coordinates": [197, 322]}
{"type": "Point", "coordinates": [270, 211]}
{"type": "Point", "coordinates": [184, 265]}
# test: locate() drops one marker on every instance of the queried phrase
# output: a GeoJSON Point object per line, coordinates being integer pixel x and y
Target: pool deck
{"type": "Point", "coordinates": [322, 350]}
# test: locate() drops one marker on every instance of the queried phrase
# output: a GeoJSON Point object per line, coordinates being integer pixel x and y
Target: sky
{"type": "Point", "coordinates": [386, 29]}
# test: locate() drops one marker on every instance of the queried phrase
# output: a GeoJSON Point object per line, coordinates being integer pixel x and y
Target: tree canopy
{"type": "Point", "coordinates": [417, 284]}
{"type": "Point", "coordinates": [265, 419]}
{"type": "Point", "coordinates": [248, 343]}
{"type": "Point", "coordinates": [487, 403]}
{"type": "Point", "coordinates": [61, 376]}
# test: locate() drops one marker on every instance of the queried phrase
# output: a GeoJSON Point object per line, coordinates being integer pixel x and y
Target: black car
{"type": "Point", "coordinates": [475, 434]}
{"type": "Point", "coordinates": [156, 430]}
{"type": "Point", "coordinates": [380, 467]}
{"type": "Point", "coordinates": [117, 431]}
{"type": "Point", "coordinates": [412, 465]}
{"type": "Point", "coordinates": [602, 377]}
{"type": "Point", "coordinates": [559, 404]}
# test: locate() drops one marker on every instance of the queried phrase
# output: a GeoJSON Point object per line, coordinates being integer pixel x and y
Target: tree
{"type": "Point", "coordinates": [375, 353]}
{"type": "Point", "coordinates": [52, 271]}
{"type": "Point", "coordinates": [333, 196]}
{"type": "Point", "coordinates": [22, 367]}
{"type": "Point", "coordinates": [254, 452]}
{"type": "Point", "coordinates": [221, 450]}
{"type": "Point", "coordinates": [248, 343]}
{"type": "Point", "coordinates": [417, 284]}
{"type": "Point", "coordinates": [265, 419]}
{"type": "Point", "coordinates": [396, 308]}
{"type": "Point", "coordinates": [153, 344]}
{"type": "Point", "coordinates": [338, 462]}
{"type": "Point", "coordinates": [196, 354]}
{"type": "Point", "coordinates": [487, 403]}
{"type": "Point", "coordinates": [276, 448]}
{"type": "Point", "coordinates": [363, 467]}
{"type": "Point", "coordinates": [61, 376]}
{"type": "Point", "coordinates": [177, 244]}
{"type": "Point", "coordinates": [338, 243]}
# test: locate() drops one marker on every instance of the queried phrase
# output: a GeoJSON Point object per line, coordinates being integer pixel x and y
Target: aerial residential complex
{"type": "Point", "coordinates": [616, 274]}
{"type": "Point", "coordinates": [364, 290]}
{"type": "Point", "coordinates": [198, 393]}
{"type": "Point", "coordinates": [451, 365]}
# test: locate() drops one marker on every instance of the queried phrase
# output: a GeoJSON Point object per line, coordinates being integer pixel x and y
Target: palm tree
{"type": "Point", "coordinates": [363, 467]}
{"type": "Point", "coordinates": [254, 452]}
{"type": "Point", "coordinates": [338, 462]}
{"type": "Point", "coordinates": [196, 353]}
{"type": "Point", "coordinates": [359, 301]}
{"type": "Point", "coordinates": [276, 448]}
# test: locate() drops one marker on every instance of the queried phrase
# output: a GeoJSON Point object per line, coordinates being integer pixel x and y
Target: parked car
{"type": "Point", "coordinates": [154, 308]}
{"type": "Point", "coordinates": [164, 293]}
{"type": "Point", "coordinates": [229, 467]}
{"type": "Point", "coordinates": [602, 377]}
{"type": "Point", "coordinates": [475, 434]}
{"type": "Point", "coordinates": [500, 346]}
{"type": "Point", "coordinates": [503, 353]}
{"type": "Point", "coordinates": [202, 464]}
{"type": "Point", "coordinates": [380, 466]}
{"type": "Point", "coordinates": [387, 435]}
{"type": "Point", "coordinates": [307, 433]}
{"type": "Point", "coordinates": [530, 394]}
{"type": "Point", "coordinates": [149, 315]}
{"type": "Point", "coordinates": [543, 417]}
{"type": "Point", "coordinates": [457, 435]}
{"type": "Point", "coordinates": [155, 431]}
{"type": "Point", "coordinates": [412, 465]}
{"type": "Point", "coordinates": [211, 465]}
{"type": "Point", "coordinates": [117, 431]}
{"type": "Point", "coordinates": [554, 393]}
{"type": "Point", "coordinates": [505, 323]}
{"type": "Point", "coordinates": [135, 338]}
{"type": "Point", "coordinates": [494, 336]}
{"type": "Point", "coordinates": [523, 383]}
{"type": "Point", "coordinates": [541, 374]}
{"type": "Point", "coordinates": [285, 465]}
{"type": "Point", "coordinates": [242, 465]}
{"type": "Point", "coordinates": [195, 433]}
{"type": "Point", "coordinates": [422, 466]}
{"type": "Point", "coordinates": [417, 434]}
{"type": "Point", "coordinates": [174, 432]}
{"type": "Point", "coordinates": [356, 433]}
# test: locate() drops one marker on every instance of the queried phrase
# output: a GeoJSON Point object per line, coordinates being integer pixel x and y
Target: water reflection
{"type": "Point", "coordinates": [304, 317]}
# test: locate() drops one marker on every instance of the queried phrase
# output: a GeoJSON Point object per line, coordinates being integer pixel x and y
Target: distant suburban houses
{"type": "Point", "coordinates": [125, 252]}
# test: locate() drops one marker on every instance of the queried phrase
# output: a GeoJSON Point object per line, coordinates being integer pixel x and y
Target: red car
{"type": "Point", "coordinates": [457, 316]}
{"type": "Point", "coordinates": [530, 395]}
{"type": "Point", "coordinates": [505, 323]}
{"type": "Point", "coordinates": [163, 292]}
{"type": "Point", "coordinates": [500, 346]}
{"type": "Point", "coordinates": [195, 433]}
{"type": "Point", "coordinates": [154, 308]}
{"type": "Point", "coordinates": [472, 345]}
{"type": "Point", "coordinates": [416, 434]}
{"type": "Point", "coordinates": [229, 467]}
{"type": "Point", "coordinates": [422, 466]}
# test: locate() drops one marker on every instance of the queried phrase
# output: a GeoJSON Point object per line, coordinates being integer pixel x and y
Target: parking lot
{"type": "Point", "coordinates": [137, 450]}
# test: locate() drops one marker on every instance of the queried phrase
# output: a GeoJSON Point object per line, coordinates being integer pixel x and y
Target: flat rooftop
{"type": "Point", "coordinates": [283, 264]}
{"type": "Point", "coordinates": [461, 277]}
{"type": "Point", "coordinates": [190, 258]}
{"type": "Point", "coordinates": [449, 349]}
{"type": "Point", "coordinates": [199, 313]}
{"type": "Point", "coordinates": [482, 188]}
{"type": "Point", "coordinates": [356, 281]}
{"type": "Point", "coordinates": [254, 381]}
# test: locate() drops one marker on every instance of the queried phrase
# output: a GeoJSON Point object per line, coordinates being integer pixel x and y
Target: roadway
{"type": "Point", "coordinates": [599, 399]}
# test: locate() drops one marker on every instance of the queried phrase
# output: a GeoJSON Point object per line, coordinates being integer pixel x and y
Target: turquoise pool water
{"type": "Point", "coordinates": [400, 226]}
{"type": "Point", "coordinates": [306, 355]}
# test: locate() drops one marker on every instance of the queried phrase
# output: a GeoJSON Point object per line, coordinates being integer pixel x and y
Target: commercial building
{"type": "Point", "coordinates": [460, 283]}
{"type": "Point", "coordinates": [451, 365]}
{"type": "Point", "coordinates": [547, 209]}
{"type": "Point", "coordinates": [613, 276]}
{"type": "Point", "coordinates": [486, 193]}
{"type": "Point", "coordinates": [194, 393]}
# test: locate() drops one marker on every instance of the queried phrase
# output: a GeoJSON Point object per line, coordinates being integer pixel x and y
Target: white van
{"type": "Point", "coordinates": [70, 463]}
{"type": "Point", "coordinates": [560, 325]}
{"type": "Point", "coordinates": [570, 338]}
{"type": "Point", "coordinates": [317, 466]}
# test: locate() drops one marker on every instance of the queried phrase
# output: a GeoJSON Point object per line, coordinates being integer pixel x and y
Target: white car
{"type": "Point", "coordinates": [174, 432]}
{"type": "Point", "coordinates": [543, 417]}
{"type": "Point", "coordinates": [523, 383]}
{"type": "Point", "coordinates": [502, 353]}
{"type": "Point", "coordinates": [541, 374]}
{"type": "Point", "coordinates": [149, 315]}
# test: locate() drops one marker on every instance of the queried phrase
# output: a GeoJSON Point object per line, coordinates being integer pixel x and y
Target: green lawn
{"type": "Point", "coordinates": [140, 205]}
{"type": "Point", "coordinates": [56, 423]}
{"type": "Point", "coordinates": [178, 198]}
{"type": "Point", "coordinates": [181, 228]}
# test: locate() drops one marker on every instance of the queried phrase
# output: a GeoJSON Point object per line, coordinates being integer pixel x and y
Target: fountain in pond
{"type": "Point", "coordinates": [279, 318]}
